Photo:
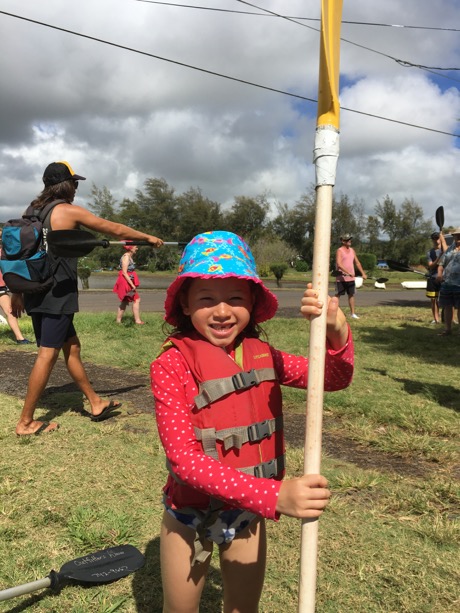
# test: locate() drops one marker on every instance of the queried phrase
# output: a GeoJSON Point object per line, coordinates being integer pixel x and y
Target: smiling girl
{"type": "Point", "coordinates": [219, 415]}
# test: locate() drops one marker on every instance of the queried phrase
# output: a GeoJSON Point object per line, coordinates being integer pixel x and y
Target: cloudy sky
{"type": "Point", "coordinates": [120, 117]}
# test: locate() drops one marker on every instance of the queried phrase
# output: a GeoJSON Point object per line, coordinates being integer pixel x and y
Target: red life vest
{"type": "Point", "coordinates": [238, 412]}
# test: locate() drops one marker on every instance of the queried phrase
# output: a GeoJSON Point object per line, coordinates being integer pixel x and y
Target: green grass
{"type": "Point", "coordinates": [388, 541]}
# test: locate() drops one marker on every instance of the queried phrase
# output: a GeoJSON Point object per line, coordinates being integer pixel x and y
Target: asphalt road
{"type": "Point", "coordinates": [99, 297]}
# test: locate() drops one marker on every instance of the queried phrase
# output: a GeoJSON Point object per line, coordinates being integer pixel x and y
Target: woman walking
{"type": "Point", "coordinates": [126, 285]}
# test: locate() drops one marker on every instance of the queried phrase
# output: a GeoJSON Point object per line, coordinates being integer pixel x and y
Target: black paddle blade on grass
{"type": "Point", "coordinates": [102, 566]}
{"type": "Point", "coordinates": [378, 279]}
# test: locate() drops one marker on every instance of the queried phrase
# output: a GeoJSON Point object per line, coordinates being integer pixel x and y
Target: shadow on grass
{"type": "Point", "coordinates": [414, 341]}
{"type": "Point", "coordinates": [445, 395]}
{"type": "Point", "coordinates": [59, 399]}
{"type": "Point", "coordinates": [148, 592]}
{"type": "Point", "coordinates": [25, 604]}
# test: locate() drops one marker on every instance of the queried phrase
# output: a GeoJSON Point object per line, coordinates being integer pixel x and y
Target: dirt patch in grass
{"type": "Point", "coordinates": [133, 390]}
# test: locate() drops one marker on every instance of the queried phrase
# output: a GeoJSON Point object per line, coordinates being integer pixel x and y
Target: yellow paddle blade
{"type": "Point", "coordinates": [328, 88]}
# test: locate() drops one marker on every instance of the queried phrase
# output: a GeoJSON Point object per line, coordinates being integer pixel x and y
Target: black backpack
{"type": "Point", "coordinates": [24, 263]}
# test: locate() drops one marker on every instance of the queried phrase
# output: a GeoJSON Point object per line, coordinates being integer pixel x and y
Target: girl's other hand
{"type": "Point", "coordinates": [337, 327]}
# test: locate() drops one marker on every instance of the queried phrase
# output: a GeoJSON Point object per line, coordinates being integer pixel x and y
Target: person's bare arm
{"type": "Point", "coordinates": [443, 242]}
{"type": "Point", "coordinates": [440, 272]}
{"type": "Point", "coordinates": [70, 216]}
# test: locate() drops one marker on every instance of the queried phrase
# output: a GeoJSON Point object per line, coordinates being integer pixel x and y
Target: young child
{"type": "Point", "coordinates": [219, 416]}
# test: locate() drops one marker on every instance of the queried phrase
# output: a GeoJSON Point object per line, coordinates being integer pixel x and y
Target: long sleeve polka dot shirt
{"type": "Point", "coordinates": [174, 389]}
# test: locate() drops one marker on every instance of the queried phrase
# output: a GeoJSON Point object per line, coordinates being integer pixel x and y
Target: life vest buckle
{"type": "Point", "coordinates": [245, 379]}
{"type": "Point", "coordinates": [259, 431]}
{"type": "Point", "coordinates": [266, 469]}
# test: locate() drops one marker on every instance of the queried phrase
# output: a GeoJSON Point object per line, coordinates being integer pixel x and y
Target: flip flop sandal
{"type": "Point", "coordinates": [106, 411]}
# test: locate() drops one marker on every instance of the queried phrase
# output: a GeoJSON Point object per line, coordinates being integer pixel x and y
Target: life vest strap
{"type": "Point", "coordinates": [237, 436]}
{"type": "Point", "coordinates": [268, 470]}
{"type": "Point", "coordinates": [214, 389]}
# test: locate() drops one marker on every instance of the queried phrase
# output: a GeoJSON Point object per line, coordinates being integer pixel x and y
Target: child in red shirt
{"type": "Point", "coordinates": [218, 409]}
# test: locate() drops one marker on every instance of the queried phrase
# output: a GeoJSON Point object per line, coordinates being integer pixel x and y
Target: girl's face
{"type": "Point", "coordinates": [220, 309]}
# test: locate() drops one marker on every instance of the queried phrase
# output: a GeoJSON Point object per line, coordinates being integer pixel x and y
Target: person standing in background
{"type": "Point", "coordinates": [432, 285]}
{"type": "Point", "coordinates": [345, 262]}
{"type": "Point", "coordinates": [126, 285]}
{"type": "Point", "coordinates": [5, 304]}
{"type": "Point", "coordinates": [449, 277]}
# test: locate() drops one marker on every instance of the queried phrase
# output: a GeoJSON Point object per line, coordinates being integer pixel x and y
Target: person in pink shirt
{"type": "Point", "coordinates": [218, 409]}
{"type": "Point", "coordinates": [345, 262]}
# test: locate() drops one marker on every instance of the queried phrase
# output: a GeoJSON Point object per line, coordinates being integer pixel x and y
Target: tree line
{"type": "Point", "coordinates": [286, 235]}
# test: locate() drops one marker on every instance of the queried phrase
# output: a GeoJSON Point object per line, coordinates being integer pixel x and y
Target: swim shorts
{"type": "Point", "coordinates": [449, 296]}
{"type": "Point", "coordinates": [223, 526]}
{"type": "Point", "coordinates": [432, 287]}
{"type": "Point", "coordinates": [345, 287]}
{"type": "Point", "coordinates": [52, 330]}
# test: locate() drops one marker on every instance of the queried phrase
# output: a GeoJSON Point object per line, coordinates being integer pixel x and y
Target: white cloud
{"type": "Point", "coordinates": [120, 117]}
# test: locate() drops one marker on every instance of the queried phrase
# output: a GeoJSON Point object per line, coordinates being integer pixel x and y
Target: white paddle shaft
{"type": "Point", "coordinates": [25, 588]}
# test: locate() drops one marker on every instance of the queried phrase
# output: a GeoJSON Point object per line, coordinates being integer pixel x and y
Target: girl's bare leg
{"type": "Point", "coordinates": [121, 311]}
{"type": "Point", "coordinates": [136, 311]}
{"type": "Point", "coordinates": [243, 569]}
{"type": "Point", "coordinates": [182, 582]}
{"type": "Point", "coordinates": [5, 303]}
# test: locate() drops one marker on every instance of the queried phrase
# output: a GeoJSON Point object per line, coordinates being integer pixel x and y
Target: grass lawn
{"type": "Point", "coordinates": [389, 541]}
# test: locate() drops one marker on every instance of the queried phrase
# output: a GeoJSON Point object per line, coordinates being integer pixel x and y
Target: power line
{"type": "Point", "coordinates": [217, 74]}
{"type": "Point", "coordinates": [357, 23]}
{"type": "Point", "coordinates": [403, 63]}
{"type": "Point", "coordinates": [268, 13]}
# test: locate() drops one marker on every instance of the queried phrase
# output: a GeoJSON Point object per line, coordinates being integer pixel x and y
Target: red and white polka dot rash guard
{"type": "Point", "coordinates": [174, 388]}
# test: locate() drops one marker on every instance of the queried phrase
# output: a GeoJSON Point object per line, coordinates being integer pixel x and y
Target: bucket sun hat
{"type": "Point", "coordinates": [219, 255]}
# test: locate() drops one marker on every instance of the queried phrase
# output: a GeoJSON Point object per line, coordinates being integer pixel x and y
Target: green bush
{"type": "Point", "coordinates": [423, 260]}
{"type": "Point", "coordinates": [368, 261]}
{"type": "Point", "coordinates": [301, 266]}
{"type": "Point", "coordinates": [278, 270]}
{"type": "Point", "coordinates": [166, 258]}
{"type": "Point", "coordinates": [84, 273]}
{"type": "Point", "coordinates": [263, 270]}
